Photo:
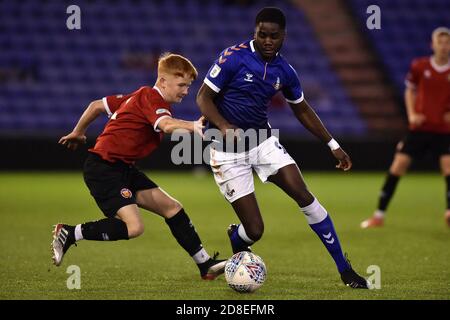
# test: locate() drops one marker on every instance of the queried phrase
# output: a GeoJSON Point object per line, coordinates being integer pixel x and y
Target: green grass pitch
{"type": "Point", "coordinates": [412, 250]}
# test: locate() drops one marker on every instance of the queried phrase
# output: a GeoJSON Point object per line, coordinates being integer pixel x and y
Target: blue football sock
{"type": "Point", "coordinates": [237, 241]}
{"type": "Point", "coordinates": [325, 231]}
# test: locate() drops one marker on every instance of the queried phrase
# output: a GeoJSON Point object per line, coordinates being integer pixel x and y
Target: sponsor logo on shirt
{"type": "Point", "coordinates": [248, 77]}
{"type": "Point", "coordinates": [162, 110]}
{"type": "Point", "coordinates": [215, 71]}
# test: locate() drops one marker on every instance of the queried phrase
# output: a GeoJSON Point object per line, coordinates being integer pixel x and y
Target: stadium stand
{"type": "Point", "coordinates": [356, 65]}
{"type": "Point", "coordinates": [48, 74]}
{"type": "Point", "coordinates": [406, 26]}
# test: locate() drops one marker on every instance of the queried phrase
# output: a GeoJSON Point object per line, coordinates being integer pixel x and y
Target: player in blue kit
{"type": "Point", "coordinates": [235, 95]}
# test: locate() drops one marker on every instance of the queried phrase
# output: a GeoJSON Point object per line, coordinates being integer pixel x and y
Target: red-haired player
{"type": "Point", "coordinates": [137, 124]}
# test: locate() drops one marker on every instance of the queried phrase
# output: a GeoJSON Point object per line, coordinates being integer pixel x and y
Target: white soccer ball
{"type": "Point", "coordinates": [245, 272]}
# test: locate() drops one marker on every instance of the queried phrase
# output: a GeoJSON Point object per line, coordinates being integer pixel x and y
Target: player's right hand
{"type": "Point", "coordinates": [199, 125]}
{"type": "Point", "coordinates": [416, 119]}
{"type": "Point", "coordinates": [72, 140]}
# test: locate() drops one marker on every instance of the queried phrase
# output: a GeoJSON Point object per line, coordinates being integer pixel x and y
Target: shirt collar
{"type": "Point", "coordinates": [159, 91]}
{"type": "Point", "coordinates": [439, 68]}
{"type": "Point", "coordinates": [252, 46]}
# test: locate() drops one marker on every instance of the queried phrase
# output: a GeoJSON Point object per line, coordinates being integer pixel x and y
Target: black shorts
{"type": "Point", "coordinates": [416, 144]}
{"type": "Point", "coordinates": [113, 185]}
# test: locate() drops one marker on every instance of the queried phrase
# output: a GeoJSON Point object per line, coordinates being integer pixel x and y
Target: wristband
{"type": "Point", "coordinates": [333, 145]}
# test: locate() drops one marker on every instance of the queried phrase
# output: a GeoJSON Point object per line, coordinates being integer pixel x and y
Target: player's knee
{"type": "Point", "coordinates": [172, 209]}
{"type": "Point", "coordinates": [135, 229]}
{"type": "Point", "coordinates": [398, 171]}
{"type": "Point", "coordinates": [400, 165]}
{"type": "Point", "coordinates": [445, 165]}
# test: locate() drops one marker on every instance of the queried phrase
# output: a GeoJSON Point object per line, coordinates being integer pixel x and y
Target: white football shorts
{"type": "Point", "coordinates": [233, 171]}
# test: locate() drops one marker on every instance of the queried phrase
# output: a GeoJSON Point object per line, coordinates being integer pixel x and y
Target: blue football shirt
{"type": "Point", "coordinates": [245, 84]}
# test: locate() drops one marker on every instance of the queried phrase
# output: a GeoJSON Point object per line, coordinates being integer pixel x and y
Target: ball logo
{"type": "Point", "coordinates": [256, 272]}
{"type": "Point", "coordinates": [126, 193]}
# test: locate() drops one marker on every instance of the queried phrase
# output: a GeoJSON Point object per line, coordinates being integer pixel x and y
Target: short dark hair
{"type": "Point", "coordinates": [271, 14]}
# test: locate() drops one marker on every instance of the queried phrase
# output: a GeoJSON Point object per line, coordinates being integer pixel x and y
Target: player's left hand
{"type": "Point", "coordinates": [345, 163]}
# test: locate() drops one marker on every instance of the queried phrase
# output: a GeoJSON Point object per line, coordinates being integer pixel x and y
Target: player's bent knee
{"type": "Point", "coordinates": [135, 230]}
{"type": "Point", "coordinates": [445, 165]}
{"type": "Point", "coordinates": [172, 209]}
{"type": "Point", "coordinates": [400, 165]}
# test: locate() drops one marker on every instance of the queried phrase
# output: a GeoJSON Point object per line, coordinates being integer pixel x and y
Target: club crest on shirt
{"type": "Point", "coordinates": [427, 73]}
{"type": "Point", "coordinates": [215, 71]}
{"type": "Point", "coordinates": [277, 84]}
{"type": "Point", "coordinates": [126, 193]}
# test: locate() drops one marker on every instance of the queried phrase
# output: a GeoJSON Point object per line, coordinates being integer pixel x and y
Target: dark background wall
{"type": "Point", "coordinates": [46, 154]}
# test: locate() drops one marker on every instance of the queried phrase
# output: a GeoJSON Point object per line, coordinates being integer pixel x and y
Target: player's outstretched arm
{"type": "Point", "coordinates": [309, 119]}
{"type": "Point", "coordinates": [169, 125]}
{"type": "Point", "coordinates": [77, 136]}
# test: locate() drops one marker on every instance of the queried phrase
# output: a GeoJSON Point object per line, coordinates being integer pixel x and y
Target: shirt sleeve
{"type": "Point", "coordinates": [293, 91]}
{"type": "Point", "coordinates": [112, 103]}
{"type": "Point", "coordinates": [222, 71]}
{"type": "Point", "coordinates": [154, 110]}
{"type": "Point", "coordinates": [413, 76]}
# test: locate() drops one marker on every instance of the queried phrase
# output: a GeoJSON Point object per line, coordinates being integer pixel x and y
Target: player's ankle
{"type": "Point", "coordinates": [379, 214]}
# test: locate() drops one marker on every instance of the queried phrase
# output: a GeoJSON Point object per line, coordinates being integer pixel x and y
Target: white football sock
{"type": "Point", "coordinates": [378, 214]}
{"type": "Point", "coordinates": [243, 235]}
{"type": "Point", "coordinates": [314, 212]}
{"type": "Point", "coordinates": [78, 234]}
{"type": "Point", "coordinates": [201, 256]}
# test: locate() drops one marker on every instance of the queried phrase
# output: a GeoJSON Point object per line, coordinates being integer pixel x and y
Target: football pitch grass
{"type": "Point", "coordinates": [412, 250]}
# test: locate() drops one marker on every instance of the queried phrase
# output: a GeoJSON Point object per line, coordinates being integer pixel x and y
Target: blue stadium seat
{"type": "Point", "coordinates": [405, 31]}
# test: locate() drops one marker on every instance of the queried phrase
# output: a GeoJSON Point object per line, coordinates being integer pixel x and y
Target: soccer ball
{"type": "Point", "coordinates": [245, 272]}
